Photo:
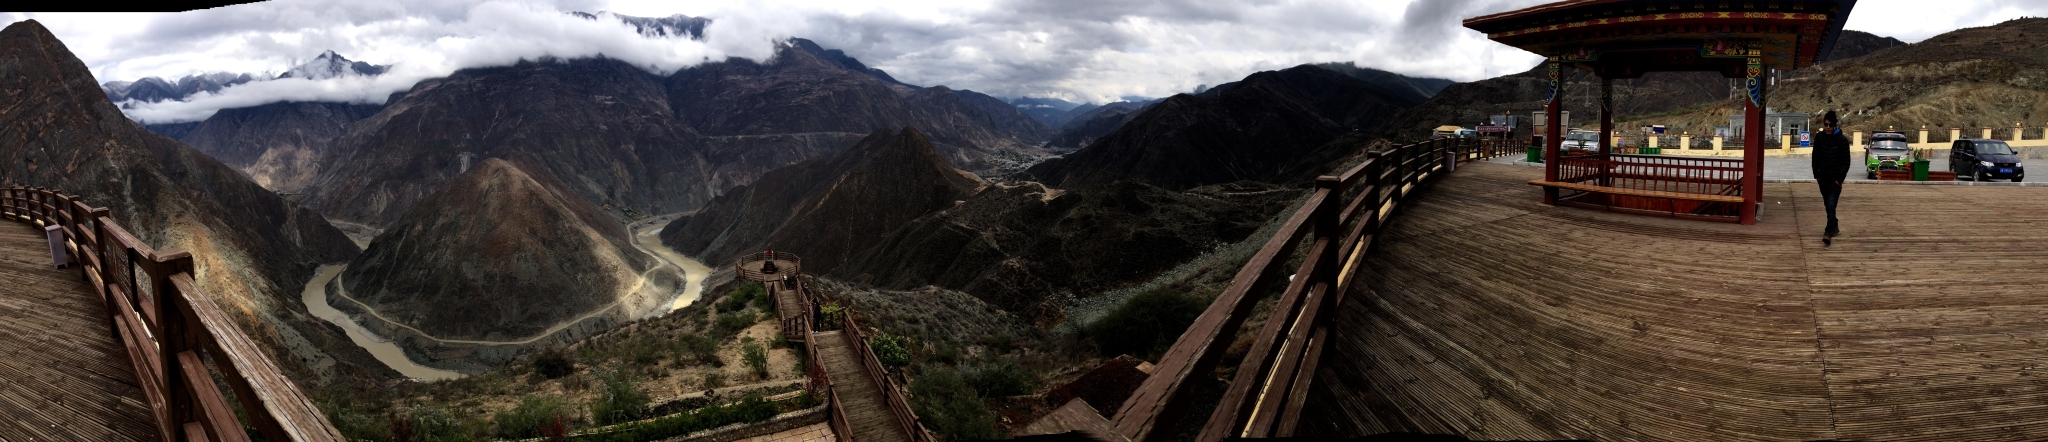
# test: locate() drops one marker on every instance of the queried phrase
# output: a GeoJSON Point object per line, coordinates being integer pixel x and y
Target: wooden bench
{"type": "Point", "coordinates": [1642, 193]}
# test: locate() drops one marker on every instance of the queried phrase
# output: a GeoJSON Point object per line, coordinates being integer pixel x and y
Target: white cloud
{"type": "Point", "coordinates": [1078, 50]}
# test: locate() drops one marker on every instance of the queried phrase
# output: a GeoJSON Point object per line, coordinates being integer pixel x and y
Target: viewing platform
{"type": "Point", "coordinates": [64, 374]}
{"type": "Point", "coordinates": [1484, 314]}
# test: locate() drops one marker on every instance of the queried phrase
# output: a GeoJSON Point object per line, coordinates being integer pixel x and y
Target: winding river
{"type": "Point", "coordinates": [644, 238]}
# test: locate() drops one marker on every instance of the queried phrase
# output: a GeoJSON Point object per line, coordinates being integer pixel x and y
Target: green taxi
{"type": "Point", "coordinates": [1887, 151]}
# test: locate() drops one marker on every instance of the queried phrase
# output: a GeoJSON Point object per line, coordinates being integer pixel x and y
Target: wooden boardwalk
{"type": "Point", "coordinates": [862, 398]}
{"type": "Point", "coordinates": [1485, 314]}
{"type": "Point", "coordinates": [63, 375]}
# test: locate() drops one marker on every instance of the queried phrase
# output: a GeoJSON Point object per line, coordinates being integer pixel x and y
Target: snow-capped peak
{"type": "Point", "coordinates": [331, 65]}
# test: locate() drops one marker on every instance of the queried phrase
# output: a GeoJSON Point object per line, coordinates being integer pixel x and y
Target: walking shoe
{"type": "Point", "coordinates": [1827, 242]}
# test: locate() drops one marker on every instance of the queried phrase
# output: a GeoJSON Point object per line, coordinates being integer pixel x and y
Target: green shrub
{"type": "Point", "coordinates": [951, 408]}
{"type": "Point", "coordinates": [714, 380]}
{"type": "Point", "coordinates": [553, 364]}
{"type": "Point", "coordinates": [739, 297]}
{"type": "Point", "coordinates": [832, 314]}
{"type": "Point", "coordinates": [355, 424]}
{"type": "Point", "coordinates": [700, 348]}
{"type": "Point", "coordinates": [751, 409]}
{"type": "Point", "coordinates": [427, 423]}
{"type": "Point", "coordinates": [755, 356]}
{"type": "Point", "coordinates": [620, 401]}
{"type": "Point", "coordinates": [891, 351]}
{"type": "Point", "coordinates": [534, 415]}
{"type": "Point", "coordinates": [1000, 380]}
{"type": "Point", "coordinates": [730, 324]}
{"type": "Point", "coordinates": [1146, 324]}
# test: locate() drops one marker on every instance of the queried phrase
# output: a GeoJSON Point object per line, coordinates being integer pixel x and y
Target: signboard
{"type": "Point", "coordinates": [1493, 129]}
{"type": "Point", "coordinates": [1805, 139]}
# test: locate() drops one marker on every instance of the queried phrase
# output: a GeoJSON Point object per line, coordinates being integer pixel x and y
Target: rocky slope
{"type": "Point", "coordinates": [1085, 126]}
{"type": "Point", "coordinates": [253, 249]}
{"type": "Point", "coordinates": [502, 253]}
{"type": "Point", "coordinates": [826, 210]}
{"type": "Point", "coordinates": [603, 126]}
{"type": "Point", "coordinates": [1272, 126]}
{"type": "Point", "coordinates": [804, 89]}
{"type": "Point", "coordinates": [1019, 245]}
{"type": "Point", "coordinates": [1657, 95]}
{"type": "Point", "coordinates": [1991, 76]}
{"type": "Point", "coordinates": [279, 144]}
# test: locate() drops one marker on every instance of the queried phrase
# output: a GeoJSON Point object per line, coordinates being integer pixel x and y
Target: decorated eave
{"type": "Point", "coordinates": [1787, 34]}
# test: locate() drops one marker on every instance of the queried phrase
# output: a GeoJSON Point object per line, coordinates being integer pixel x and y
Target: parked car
{"type": "Point", "coordinates": [1887, 151]}
{"type": "Point", "coordinates": [1982, 159]}
{"type": "Point", "coordinates": [1581, 140]}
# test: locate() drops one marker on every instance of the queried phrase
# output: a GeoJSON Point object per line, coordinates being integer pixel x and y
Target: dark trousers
{"type": "Point", "coordinates": [1830, 193]}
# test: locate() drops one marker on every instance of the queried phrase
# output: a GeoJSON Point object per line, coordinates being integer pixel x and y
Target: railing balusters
{"type": "Point", "coordinates": [168, 327]}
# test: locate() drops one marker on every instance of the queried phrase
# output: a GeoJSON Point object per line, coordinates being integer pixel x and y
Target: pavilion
{"type": "Point", "coordinates": [1627, 38]}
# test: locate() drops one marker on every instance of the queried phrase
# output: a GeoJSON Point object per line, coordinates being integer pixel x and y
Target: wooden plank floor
{"type": "Point", "coordinates": [866, 412]}
{"type": "Point", "coordinates": [1488, 315]}
{"type": "Point", "coordinates": [63, 376]}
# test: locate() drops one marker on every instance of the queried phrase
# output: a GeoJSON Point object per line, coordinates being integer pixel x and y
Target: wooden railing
{"type": "Point", "coordinates": [898, 407]}
{"type": "Point", "coordinates": [170, 328]}
{"type": "Point", "coordinates": [821, 380]}
{"type": "Point", "coordinates": [1271, 383]}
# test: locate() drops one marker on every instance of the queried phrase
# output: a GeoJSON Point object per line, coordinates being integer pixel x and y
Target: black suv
{"type": "Point", "coordinates": [1981, 159]}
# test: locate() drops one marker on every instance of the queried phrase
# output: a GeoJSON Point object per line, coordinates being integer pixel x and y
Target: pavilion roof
{"type": "Point", "coordinates": [1792, 33]}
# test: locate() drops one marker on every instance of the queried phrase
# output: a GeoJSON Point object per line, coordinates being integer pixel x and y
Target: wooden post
{"type": "Point", "coordinates": [172, 336]}
{"type": "Point", "coordinates": [1606, 117]}
{"type": "Point", "coordinates": [1753, 134]}
{"type": "Point", "coordinates": [1552, 135]}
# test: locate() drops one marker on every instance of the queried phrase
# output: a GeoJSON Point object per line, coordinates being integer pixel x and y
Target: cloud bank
{"type": "Point", "coordinates": [1076, 50]}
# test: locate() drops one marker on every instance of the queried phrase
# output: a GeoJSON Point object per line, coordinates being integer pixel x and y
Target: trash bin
{"type": "Point", "coordinates": [1920, 170]}
{"type": "Point", "coordinates": [1535, 154]}
{"type": "Point", "coordinates": [57, 255]}
{"type": "Point", "coordinates": [1651, 150]}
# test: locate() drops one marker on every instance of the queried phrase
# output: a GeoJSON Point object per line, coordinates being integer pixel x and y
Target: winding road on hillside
{"type": "Point", "coordinates": [645, 238]}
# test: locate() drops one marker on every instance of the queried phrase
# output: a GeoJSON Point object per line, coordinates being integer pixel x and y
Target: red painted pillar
{"type": "Point", "coordinates": [1753, 137]}
{"type": "Point", "coordinates": [1606, 115]}
{"type": "Point", "coordinates": [1552, 133]}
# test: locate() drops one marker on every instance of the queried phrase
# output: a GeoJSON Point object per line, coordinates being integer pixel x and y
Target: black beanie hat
{"type": "Point", "coordinates": [1831, 119]}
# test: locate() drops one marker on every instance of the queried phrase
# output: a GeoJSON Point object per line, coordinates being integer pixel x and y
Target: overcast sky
{"type": "Point", "coordinates": [1079, 50]}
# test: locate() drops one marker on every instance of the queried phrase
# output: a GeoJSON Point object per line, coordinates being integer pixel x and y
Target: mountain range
{"type": "Point", "coordinates": [253, 249]}
{"type": "Point", "coordinates": [154, 89]}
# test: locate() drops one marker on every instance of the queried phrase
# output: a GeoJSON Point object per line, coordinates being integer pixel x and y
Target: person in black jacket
{"type": "Point", "coordinates": [1830, 168]}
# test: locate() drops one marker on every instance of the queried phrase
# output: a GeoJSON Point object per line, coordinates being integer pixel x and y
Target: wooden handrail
{"type": "Point", "coordinates": [170, 328]}
{"type": "Point", "coordinates": [1271, 384]}
{"type": "Point", "coordinates": [890, 396]}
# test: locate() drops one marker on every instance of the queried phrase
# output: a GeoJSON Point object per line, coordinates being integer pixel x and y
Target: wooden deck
{"type": "Point", "coordinates": [1489, 315]}
{"type": "Point", "coordinates": [63, 375]}
{"type": "Point", "coordinates": [865, 410]}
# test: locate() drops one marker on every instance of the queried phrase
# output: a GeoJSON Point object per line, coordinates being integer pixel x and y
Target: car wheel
{"type": "Point", "coordinates": [1870, 176]}
{"type": "Point", "coordinates": [1979, 177]}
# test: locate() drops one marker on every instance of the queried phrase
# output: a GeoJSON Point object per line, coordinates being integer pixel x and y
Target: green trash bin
{"type": "Point", "coordinates": [1920, 170]}
{"type": "Point", "coordinates": [1535, 154]}
{"type": "Point", "coordinates": [1651, 150]}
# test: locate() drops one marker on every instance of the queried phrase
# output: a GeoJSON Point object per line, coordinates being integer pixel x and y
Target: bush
{"type": "Point", "coordinates": [534, 417]}
{"type": "Point", "coordinates": [1000, 380]}
{"type": "Point", "coordinates": [951, 408]}
{"type": "Point", "coordinates": [891, 351]}
{"type": "Point", "coordinates": [739, 297]}
{"type": "Point", "coordinates": [714, 380]}
{"type": "Point", "coordinates": [751, 409]}
{"type": "Point", "coordinates": [1146, 324]}
{"type": "Point", "coordinates": [620, 401]}
{"type": "Point", "coordinates": [730, 324]}
{"type": "Point", "coordinates": [426, 423]}
{"type": "Point", "coordinates": [553, 365]}
{"type": "Point", "coordinates": [699, 347]}
{"type": "Point", "coordinates": [755, 356]}
{"type": "Point", "coordinates": [831, 316]}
